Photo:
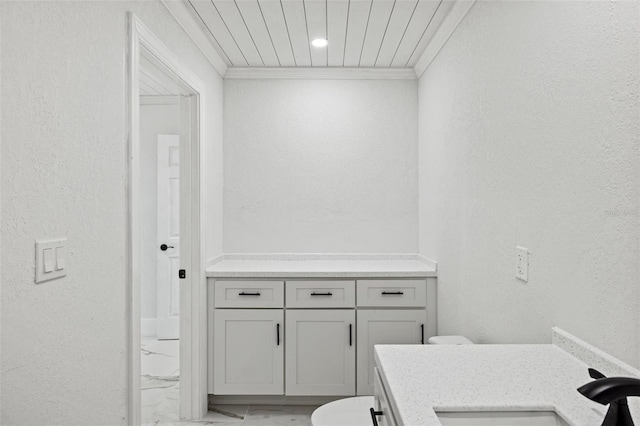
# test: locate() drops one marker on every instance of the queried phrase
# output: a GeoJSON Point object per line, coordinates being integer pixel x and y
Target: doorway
{"type": "Point", "coordinates": [159, 245]}
{"type": "Point", "coordinates": [164, 251]}
{"type": "Point", "coordinates": [160, 209]}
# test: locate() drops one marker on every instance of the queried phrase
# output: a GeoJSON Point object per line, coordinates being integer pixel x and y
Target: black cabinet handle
{"type": "Point", "coordinates": [278, 334]}
{"type": "Point", "coordinates": [322, 294]}
{"type": "Point", "coordinates": [375, 413]}
{"type": "Point", "coordinates": [164, 247]}
{"type": "Point", "coordinates": [397, 293]}
{"type": "Point", "coordinates": [350, 335]}
{"type": "Point", "coordinates": [242, 293]}
{"type": "Point", "coordinates": [422, 333]}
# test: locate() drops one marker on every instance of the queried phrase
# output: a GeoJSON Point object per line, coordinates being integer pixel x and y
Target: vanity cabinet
{"type": "Point", "coordinates": [309, 337]}
{"type": "Point", "coordinates": [321, 352]}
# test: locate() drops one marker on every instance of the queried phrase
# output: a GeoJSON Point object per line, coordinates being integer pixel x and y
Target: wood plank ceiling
{"type": "Point", "coordinates": [361, 33]}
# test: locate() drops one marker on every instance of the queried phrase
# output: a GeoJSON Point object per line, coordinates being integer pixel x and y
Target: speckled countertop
{"type": "Point", "coordinates": [429, 378]}
{"type": "Point", "coordinates": [319, 266]}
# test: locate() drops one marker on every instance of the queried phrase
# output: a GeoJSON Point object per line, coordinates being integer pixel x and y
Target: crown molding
{"type": "Point", "coordinates": [447, 27]}
{"type": "Point", "coordinates": [180, 12]}
{"type": "Point", "coordinates": [320, 73]}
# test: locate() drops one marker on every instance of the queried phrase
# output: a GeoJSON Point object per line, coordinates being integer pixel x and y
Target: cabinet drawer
{"type": "Point", "coordinates": [249, 294]}
{"type": "Point", "coordinates": [408, 293]}
{"type": "Point", "coordinates": [321, 294]}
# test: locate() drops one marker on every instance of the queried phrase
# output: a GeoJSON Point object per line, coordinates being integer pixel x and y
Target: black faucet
{"type": "Point", "coordinates": [613, 391]}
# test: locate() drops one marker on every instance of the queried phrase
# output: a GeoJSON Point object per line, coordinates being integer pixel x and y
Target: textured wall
{"type": "Point", "coordinates": [154, 120]}
{"type": "Point", "coordinates": [320, 166]}
{"type": "Point", "coordinates": [529, 136]}
{"type": "Point", "coordinates": [0, 208]}
{"type": "Point", "coordinates": [63, 174]}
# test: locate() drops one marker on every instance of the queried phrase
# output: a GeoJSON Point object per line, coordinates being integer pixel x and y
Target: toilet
{"type": "Point", "coordinates": [354, 411]}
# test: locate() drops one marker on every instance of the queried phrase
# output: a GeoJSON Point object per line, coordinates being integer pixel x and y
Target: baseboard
{"type": "Point", "coordinates": [271, 399]}
{"type": "Point", "coordinates": [148, 327]}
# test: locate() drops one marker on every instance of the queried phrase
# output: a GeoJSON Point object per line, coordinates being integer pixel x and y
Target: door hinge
{"type": "Point", "coordinates": [182, 274]}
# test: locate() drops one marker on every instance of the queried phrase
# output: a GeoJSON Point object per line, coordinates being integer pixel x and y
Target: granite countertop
{"type": "Point", "coordinates": [321, 266]}
{"type": "Point", "coordinates": [424, 379]}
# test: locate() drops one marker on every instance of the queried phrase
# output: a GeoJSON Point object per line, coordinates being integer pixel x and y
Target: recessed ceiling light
{"type": "Point", "coordinates": [319, 42]}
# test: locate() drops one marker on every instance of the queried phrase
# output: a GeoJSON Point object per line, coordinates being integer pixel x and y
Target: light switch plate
{"type": "Point", "coordinates": [522, 264]}
{"type": "Point", "coordinates": [55, 259]}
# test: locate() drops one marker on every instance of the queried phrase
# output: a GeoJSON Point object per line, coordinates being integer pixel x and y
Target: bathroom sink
{"type": "Point", "coordinates": [500, 418]}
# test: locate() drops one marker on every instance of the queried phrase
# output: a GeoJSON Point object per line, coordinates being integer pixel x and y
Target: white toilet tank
{"type": "Point", "coordinates": [449, 340]}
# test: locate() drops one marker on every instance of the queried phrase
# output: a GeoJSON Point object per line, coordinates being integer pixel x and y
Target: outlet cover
{"type": "Point", "coordinates": [522, 264]}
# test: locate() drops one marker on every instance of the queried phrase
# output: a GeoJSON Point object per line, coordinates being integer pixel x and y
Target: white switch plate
{"type": "Point", "coordinates": [56, 259]}
{"type": "Point", "coordinates": [522, 264]}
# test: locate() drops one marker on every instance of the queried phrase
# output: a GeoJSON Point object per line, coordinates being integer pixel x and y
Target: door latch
{"type": "Point", "coordinates": [182, 274]}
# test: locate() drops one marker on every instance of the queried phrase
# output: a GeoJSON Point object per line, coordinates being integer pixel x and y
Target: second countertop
{"type": "Point", "coordinates": [424, 379]}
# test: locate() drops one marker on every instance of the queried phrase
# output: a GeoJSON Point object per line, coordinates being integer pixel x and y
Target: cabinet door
{"type": "Point", "coordinates": [378, 327]}
{"type": "Point", "coordinates": [321, 352]}
{"type": "Point", "coordinates": [384, 413]}
{"type": "Point", "coordinates": [248, 352]}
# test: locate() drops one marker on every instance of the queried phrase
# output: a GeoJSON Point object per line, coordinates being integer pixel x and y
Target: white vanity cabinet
{"type": "Point", "coordinates": [309, 337]}
{"type": "Point", "coordinates": [321, 352]}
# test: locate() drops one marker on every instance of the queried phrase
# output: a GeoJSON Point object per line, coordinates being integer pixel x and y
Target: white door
{"type": "Point", "coordinates": [384, 327]}
{"type": "Point", "coordinates": [248, 352]}
{"type": "Point", "coordinates": [321, 352]}
{"type": "Point", "coordinates": [168, 246]}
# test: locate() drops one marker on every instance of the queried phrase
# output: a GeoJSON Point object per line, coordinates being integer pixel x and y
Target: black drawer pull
{"type": "Point", "coordinates": [375, 413]}
{"type": "Point", "coordinates": [422, 333]}
{"type": "Point", "coordinates": [350, 336]}
{"type": "Point", "coordinates": [278, 334]}
{"type": "Point", "coordinates": [242, 293]}
{"type": "Point", "coordinates": [322, 294]}
{"type": "Point", "coordinates": [397, 293]}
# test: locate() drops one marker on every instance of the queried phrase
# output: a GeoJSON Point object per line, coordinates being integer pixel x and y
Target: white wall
{"type": "Point", "coordinates": [529, 135]}
{"type": "Point", "coordinates": [320, 166]}
{"type": "Point", "coordinates": [1, 115]}
{"type": "Point", "coordinates": [64, 169]}
{"type": "Point", "coordinates": [159, 119]}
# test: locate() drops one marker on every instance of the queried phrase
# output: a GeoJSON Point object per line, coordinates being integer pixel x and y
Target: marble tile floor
{"type": "Point", "coordinates": [161, 396]}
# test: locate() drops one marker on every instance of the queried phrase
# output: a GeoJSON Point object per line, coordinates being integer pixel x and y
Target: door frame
{"type": "Point", "coordinates": [193, 314]}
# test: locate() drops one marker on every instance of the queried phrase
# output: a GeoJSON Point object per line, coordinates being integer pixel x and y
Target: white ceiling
{"type": "Point", "coordinates": [361, 33]}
